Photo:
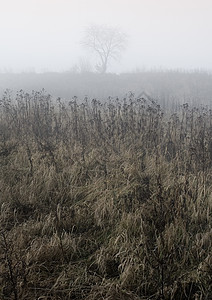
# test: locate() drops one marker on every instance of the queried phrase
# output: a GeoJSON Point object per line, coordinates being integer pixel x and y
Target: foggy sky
{"type": "Point", "coordinates": [44, 35]}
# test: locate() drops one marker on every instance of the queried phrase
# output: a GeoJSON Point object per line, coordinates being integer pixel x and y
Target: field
{"type": "Point", "coordinates": [104, 200]}
{"type": "Point", "coordinates": [166, 86]}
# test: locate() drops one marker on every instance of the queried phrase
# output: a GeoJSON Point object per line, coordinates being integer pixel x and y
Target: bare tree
{"type": "Point", "coordinates": [84, 65]}
{"type": "Point", "coordinates": [106, 42]}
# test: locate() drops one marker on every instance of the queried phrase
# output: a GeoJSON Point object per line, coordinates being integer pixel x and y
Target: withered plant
{"type": "Point", "coordinates": [104, 200]}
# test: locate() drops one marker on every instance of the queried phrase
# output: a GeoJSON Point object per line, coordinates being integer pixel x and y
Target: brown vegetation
{"type": "Point", "coordinates": [104, 200]}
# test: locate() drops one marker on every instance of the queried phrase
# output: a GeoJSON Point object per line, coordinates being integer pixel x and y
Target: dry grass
{"type": "Point", "coordinates": [104, 201]}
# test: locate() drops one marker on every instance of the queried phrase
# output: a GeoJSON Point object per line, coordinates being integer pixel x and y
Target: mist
{"type": "Point", "coordinates": [40, 36]}
{"type": "Point", "coordinates": [105, 149]}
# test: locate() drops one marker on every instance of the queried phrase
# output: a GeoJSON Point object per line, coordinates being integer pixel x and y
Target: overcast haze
{"type": "Point", "coordinates": [44, 35]}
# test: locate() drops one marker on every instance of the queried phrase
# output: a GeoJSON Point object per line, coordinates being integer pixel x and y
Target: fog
{"type": "Point", "coordinates": [45, 35]}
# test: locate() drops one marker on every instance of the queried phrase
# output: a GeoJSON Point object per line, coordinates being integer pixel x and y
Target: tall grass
{"type": "Point", "coordinates": [104, 200]}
